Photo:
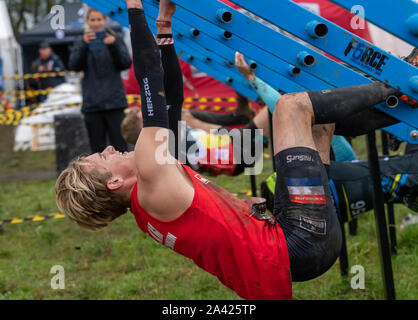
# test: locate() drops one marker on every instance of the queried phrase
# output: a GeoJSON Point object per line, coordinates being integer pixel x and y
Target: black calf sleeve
{"type": "Point", "coordinates": [336, 104]}
{"type": "Point", "coordinates": [174, 117]}
{"type": "Point", "coordinates": [173, 77]}
{"type": "Point", "coordinates": [148, 71]}
{"type": "Point", "coordinates": [173, 85]}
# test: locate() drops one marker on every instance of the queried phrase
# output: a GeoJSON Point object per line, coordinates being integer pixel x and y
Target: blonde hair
{"type": "Point", "coordinates": [82, 194]}
{"type": "Point", "coordinates": [131, 126]}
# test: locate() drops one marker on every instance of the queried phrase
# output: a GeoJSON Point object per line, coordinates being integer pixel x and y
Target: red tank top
{"type": "Point", "coordinates": [219, 235]}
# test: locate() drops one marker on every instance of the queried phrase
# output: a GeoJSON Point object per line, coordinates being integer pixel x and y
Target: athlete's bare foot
{"type": "Point", "coordinates": [243, 67]}
{"type": "Point", "coordinates": [134, 4]}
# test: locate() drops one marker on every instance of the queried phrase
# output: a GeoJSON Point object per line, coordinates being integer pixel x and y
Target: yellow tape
{"type": "Point", "coordinates": [13, 117]}
{"type": "Point", "coordinates": [35, 93]}
{"type": "Point", "coordinates": [40, 75]}
{"type": "Point", "coordinates": [243, 193]}
{"type": "Point", "coordinates": [201, 107]}
{"type": "Point", "coordinates": [32, 219]}
{"type": "Point", "coordinates": [212, 99]}
{"type": "Point", "coordinates": [347, 205]}
{"type": "Point", "coordinates": [207, 108]}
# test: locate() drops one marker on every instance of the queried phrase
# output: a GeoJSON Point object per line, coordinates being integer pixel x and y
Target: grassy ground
{"type": "Point", "coordinates": [15, 162]}
{"type": "Point", "coordinates": [120, 262]}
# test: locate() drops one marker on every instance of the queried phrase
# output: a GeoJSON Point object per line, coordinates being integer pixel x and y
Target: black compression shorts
{"type": "Point", "coordinates": [306, 213]}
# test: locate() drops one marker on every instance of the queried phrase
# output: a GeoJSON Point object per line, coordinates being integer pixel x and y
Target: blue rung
{"type": "Point", "coordinates": [398, 17]}
{"type": "Point", "coordinates": [215, 71]}
{"type": "Point", "coordinates": [338, 42]}
{"type": "Point", "coordinates": [191, 54]}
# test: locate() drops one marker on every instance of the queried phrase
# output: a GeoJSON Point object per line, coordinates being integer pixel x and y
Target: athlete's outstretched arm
{"type": "Point", "coordinates": [163, 188]}
{"type": "Point", "coordinates": [149, 75]}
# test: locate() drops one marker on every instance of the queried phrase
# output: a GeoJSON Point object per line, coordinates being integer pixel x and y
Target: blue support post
{"type": "Point", "coordinates": [397, 17]}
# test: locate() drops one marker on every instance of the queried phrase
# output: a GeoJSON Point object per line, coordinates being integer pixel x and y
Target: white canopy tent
{"type": "Point", "coordinates": [10, 52]}
{"type": "Point", "coordinates": [28, 136]}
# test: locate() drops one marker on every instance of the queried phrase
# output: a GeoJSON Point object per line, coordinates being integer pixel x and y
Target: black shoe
{"type": "Point", "coordinates": [394, 143]}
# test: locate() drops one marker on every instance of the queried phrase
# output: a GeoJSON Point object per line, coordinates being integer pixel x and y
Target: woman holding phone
{"type": "Point", "coordinates": [102, 55]}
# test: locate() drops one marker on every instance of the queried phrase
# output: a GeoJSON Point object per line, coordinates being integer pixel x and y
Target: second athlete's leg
{"type": "Point", "coordinates": [173, 77]}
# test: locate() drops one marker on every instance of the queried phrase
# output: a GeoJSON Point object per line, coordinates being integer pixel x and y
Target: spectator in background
{"type": "Point", "coordinates": [47, 62]}
{"type": "Point", "coordinates": [102, 55]}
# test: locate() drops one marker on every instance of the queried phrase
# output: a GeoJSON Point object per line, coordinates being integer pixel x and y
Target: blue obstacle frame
{"type": "Point", "coordinates": [401, 130]}
{"type": "Point", "coordinates": [337, 41]}
{"type": "Point", "coordinates": [186, 41]}
{"type": "Point", "coordinates": [328, 70]}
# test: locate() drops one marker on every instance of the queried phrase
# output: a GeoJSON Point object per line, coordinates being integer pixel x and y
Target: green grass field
{"type": "Point", "coordinates": [120, 262]}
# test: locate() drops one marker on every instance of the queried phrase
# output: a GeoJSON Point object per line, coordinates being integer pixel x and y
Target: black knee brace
{"type": "Point", "coordinates": [330, 106]}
